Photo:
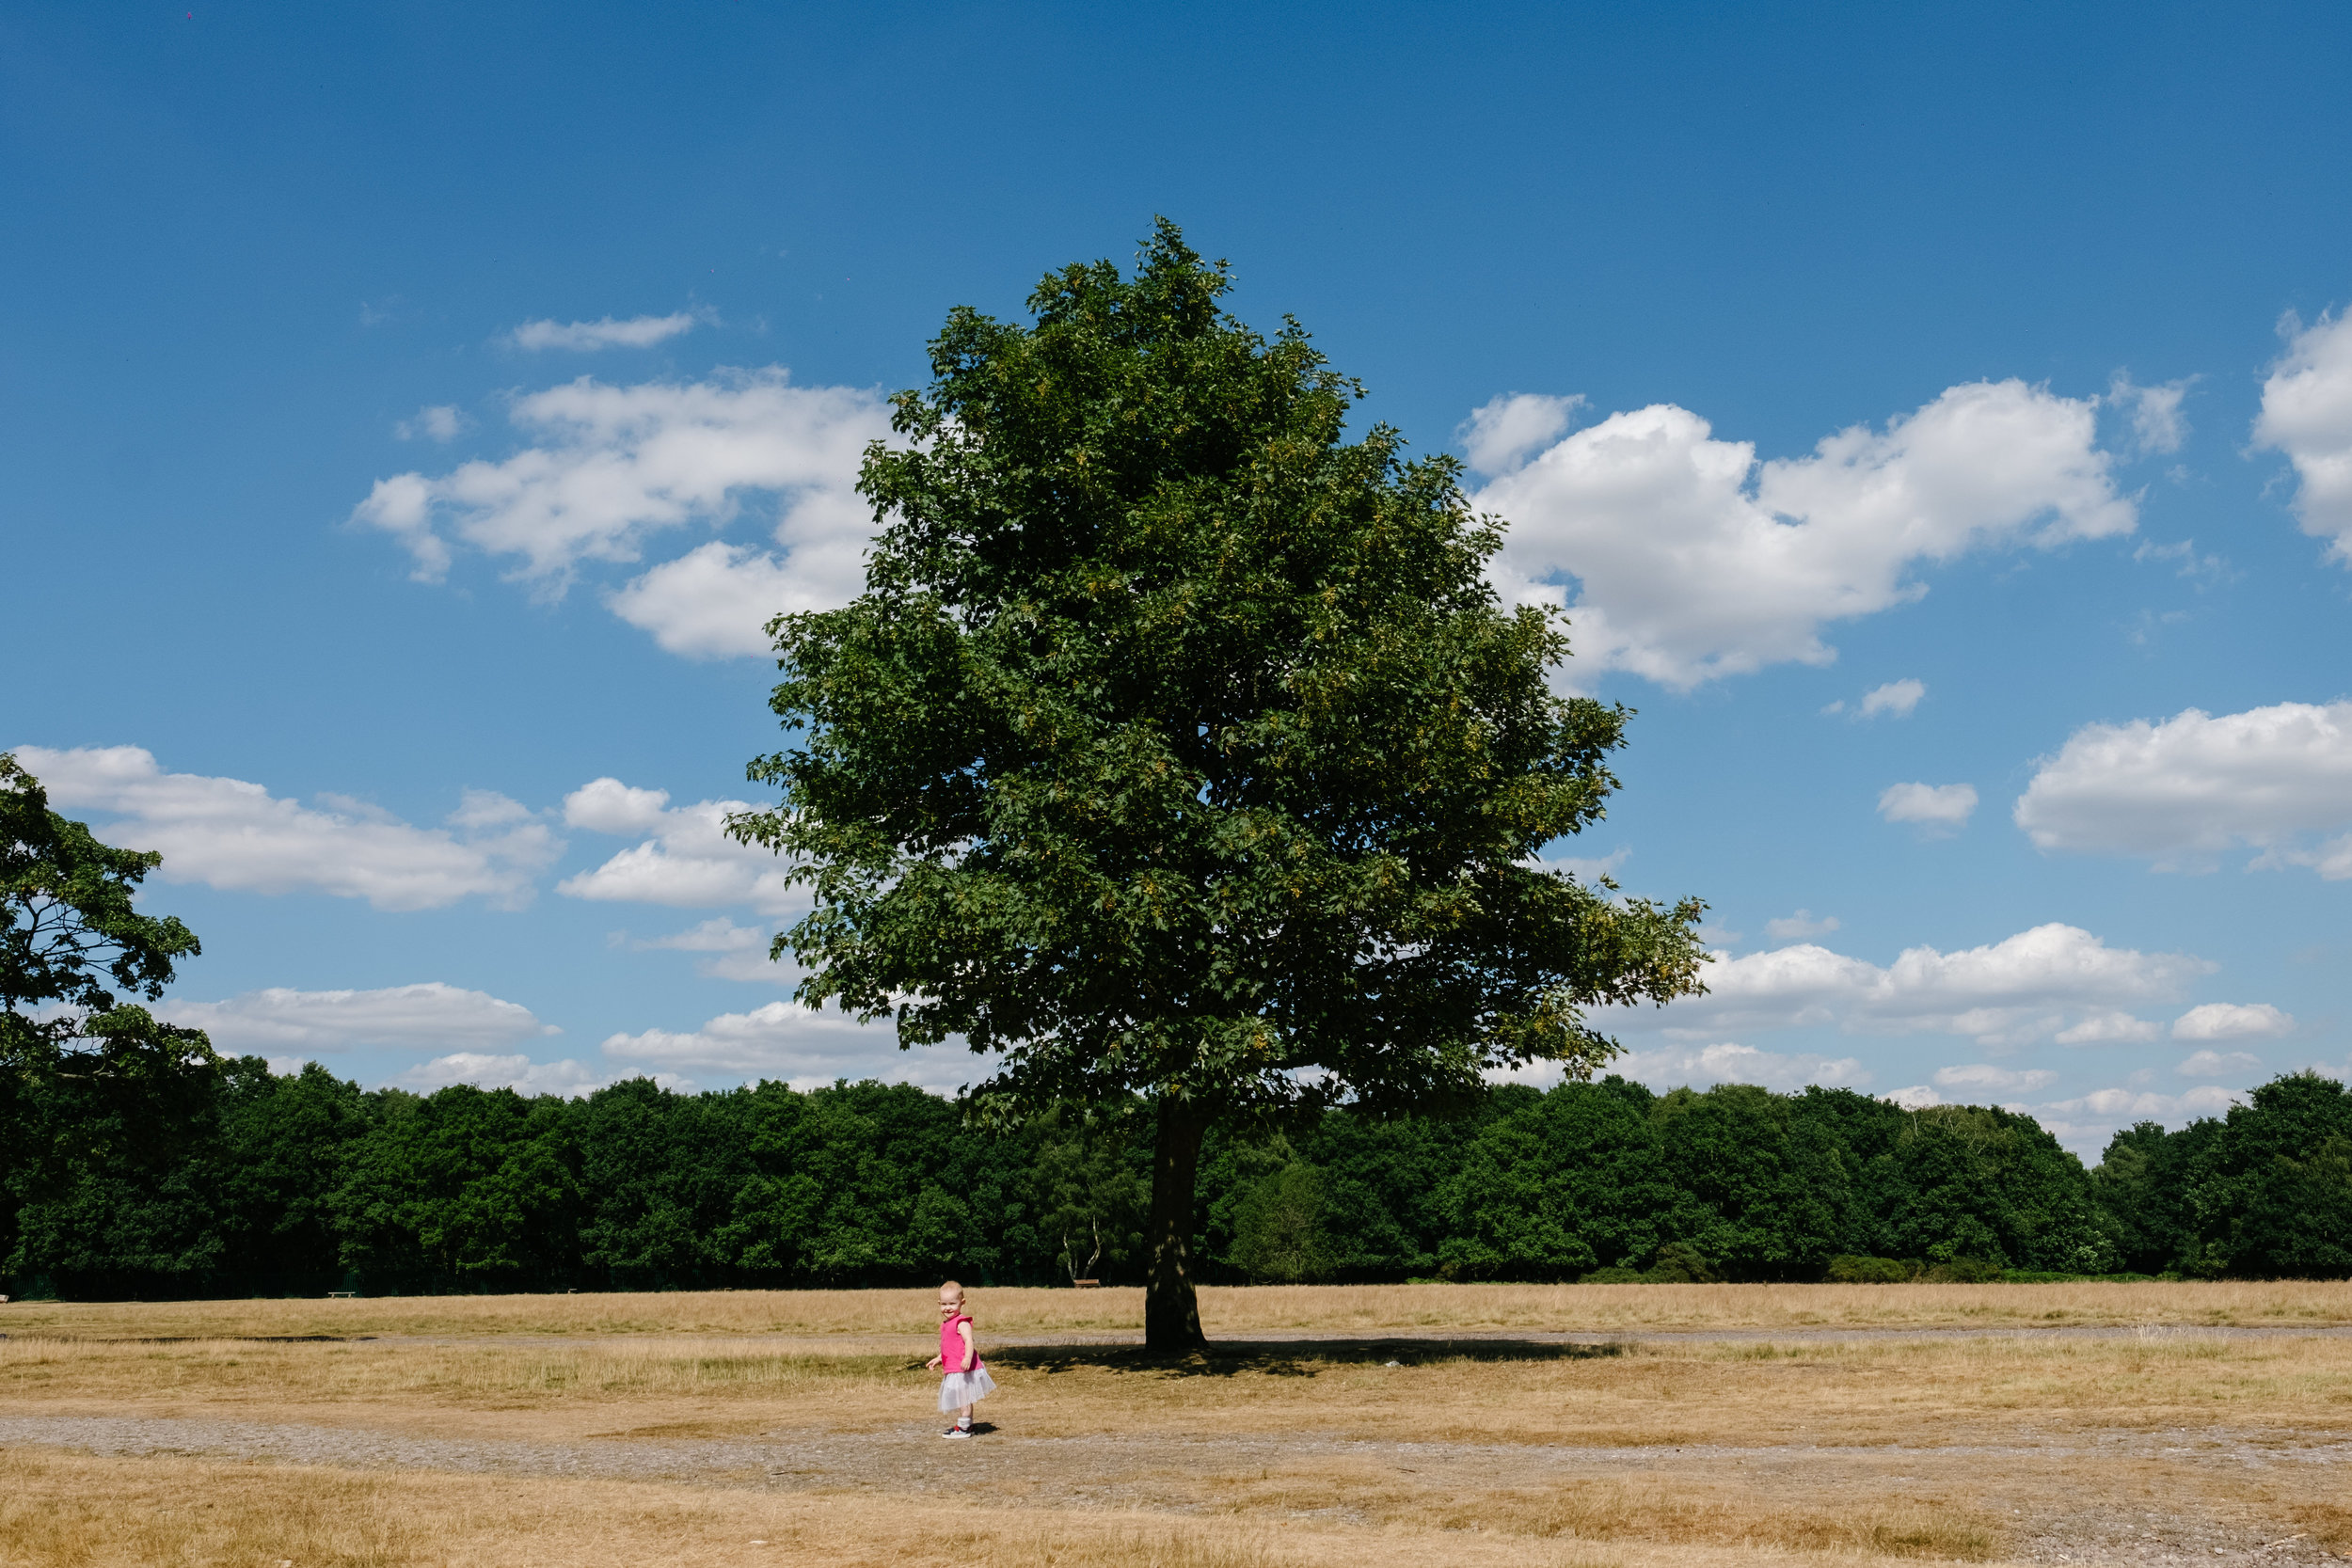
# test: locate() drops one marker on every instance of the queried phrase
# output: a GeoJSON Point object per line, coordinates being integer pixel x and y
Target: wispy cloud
{"type": "Point", "coordinates": [2158, 425]}
{"type": "Point", "coordinates": [730, 952]}
{"type": "Point", "coordinates": [1896, 697]}
{"type": "Point", "coordinates": [2219, 1064]}
{"type": "Point", "coordinates": [441, 422]}
{"type": "Point", "coordinates": [1981, 1078]}
{"type": "Point", "coordinates": [604, 332]}
{"type": "Point", "coordinates": [1800, 926]}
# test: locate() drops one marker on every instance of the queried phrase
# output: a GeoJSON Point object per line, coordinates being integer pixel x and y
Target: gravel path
{"type": "Point", "coordinates": [1179, 1473]}
{"type": "Point", "coordinates": [911, 1453]}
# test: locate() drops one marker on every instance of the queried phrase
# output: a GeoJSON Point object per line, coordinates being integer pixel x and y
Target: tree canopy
{"type": "Point", "coordinates": [307, 1183]}
{"type": "Point", "coordinates": [69, 936]}
{"type": "Point", "coordinates": [1178, 747]}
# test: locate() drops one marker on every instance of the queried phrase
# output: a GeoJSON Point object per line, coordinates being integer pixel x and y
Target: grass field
{"type": "Point", "coordinates": [799, 1428]}
{"type": "Point", "coordinates": [1237, 1312]}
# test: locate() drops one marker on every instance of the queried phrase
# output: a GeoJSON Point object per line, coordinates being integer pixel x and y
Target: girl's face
{"type": "Point", "coordinates": [950, 1302]}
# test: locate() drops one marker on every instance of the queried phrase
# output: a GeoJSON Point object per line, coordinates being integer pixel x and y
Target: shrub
{"type": "Point", "coordinates": [1870, 1271]}
{"type": "Point", "coordinates": [1680, 1264]}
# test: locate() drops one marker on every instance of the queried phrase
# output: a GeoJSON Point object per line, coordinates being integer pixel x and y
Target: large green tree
{"type": "Point", "coordinates": [1178, 746]}
{"type": "Point", "coordinates": [87, 1079]}
{"type": "Point", "coordinates": [2271, 1186]}
{"type": "Point", "coordinates": [69, 935]}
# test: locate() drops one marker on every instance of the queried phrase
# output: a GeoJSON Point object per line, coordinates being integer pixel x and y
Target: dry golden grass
{"type": "Point", "coordinates": [1234, 1311]}
{"type": "Point", "coordinates": [1684, 1512]}
{"type": "Point", "coordinates": [1656, 1451]}
{"type": "Point", "coordinates": [1660, 1392]}
{"type": "Point", "coordinates": [64, 1511]}
{"type": "Point", "coordinates": [429, 1375]}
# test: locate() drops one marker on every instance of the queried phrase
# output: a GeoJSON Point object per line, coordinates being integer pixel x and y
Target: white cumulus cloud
{"type": "Point", "coordinates": [685, 859]}
{"type": "Point", "coordinates": [1682, 559]}
{"type": "Point", "coordinates": [609, 807]}
{"type": "Point", "coordinates": [713, 601]}
{"type": "Point", "coordinates": [229, 833]}
{"type": "Point", "coordinates": [2231, 1021]}
{"type": "Point", "coordinates": [2184, 791]}
{"type": "Point", "coordinates": [798, 1045]}
{"type": "Point", "coordinates": [2307, 414]}
{"type": "Point", "coordinates": [610, 466]}
{"type": "Point", "coordinates": [517, 1072]}
{"type": "Point", "coordinates": [2110, 1028]}
{"type": "Point", "coordinates": [2085, 1123]}
{"type": "Point", "coordinates": [604, 332]}
{"type": "Point", "coordinates": [422, 1017]}
{"type": "Point", "coordinates": [1935, 809]}
{"type": "Point", "coordinates": [1501, 435]}
{"type": "Point", "coordinates": [2026, 988]}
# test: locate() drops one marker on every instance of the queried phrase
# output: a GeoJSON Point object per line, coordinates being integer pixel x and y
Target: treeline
{"type": "Point", "coordinates": [240, 1182]}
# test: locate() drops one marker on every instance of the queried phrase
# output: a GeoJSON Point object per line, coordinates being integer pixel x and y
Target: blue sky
{"type": "Point", "coordinates": [400, 406]}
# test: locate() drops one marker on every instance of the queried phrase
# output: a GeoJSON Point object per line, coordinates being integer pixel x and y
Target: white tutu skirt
{"type": "Point", "coordinates": [958, 1390]}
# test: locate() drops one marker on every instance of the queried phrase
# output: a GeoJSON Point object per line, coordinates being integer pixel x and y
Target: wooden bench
{"type": "Point", "coordinates": [1085, 1284]}
{"type": "Point", "coordinates": [333, 1294]}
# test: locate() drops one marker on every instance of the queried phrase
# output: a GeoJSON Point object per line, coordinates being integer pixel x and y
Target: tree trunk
{"type": "Point", "coordinates": [1171, 1313]}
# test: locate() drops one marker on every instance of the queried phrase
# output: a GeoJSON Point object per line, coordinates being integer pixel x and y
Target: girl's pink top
{"type": "Point", "coordinates": [951, 1347]}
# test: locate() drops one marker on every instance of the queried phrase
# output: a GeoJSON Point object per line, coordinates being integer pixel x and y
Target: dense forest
{"type": "Point", "coordinates": [232, 1182]}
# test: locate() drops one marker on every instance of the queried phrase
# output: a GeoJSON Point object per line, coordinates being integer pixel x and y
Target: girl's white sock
{"type": "Point", "coordinates": [964, 1421]}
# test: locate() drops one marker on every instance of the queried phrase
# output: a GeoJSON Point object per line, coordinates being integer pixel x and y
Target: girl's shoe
{"type": "Point", "coordinates": [956, 1432]}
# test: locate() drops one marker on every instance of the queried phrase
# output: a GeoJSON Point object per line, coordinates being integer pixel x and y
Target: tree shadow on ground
{"type": "Point", "coordinates": [1289, 1357]}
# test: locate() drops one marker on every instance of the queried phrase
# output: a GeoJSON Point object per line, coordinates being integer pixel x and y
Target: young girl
{"type": "Point", "coordinates": [967, 1382]}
